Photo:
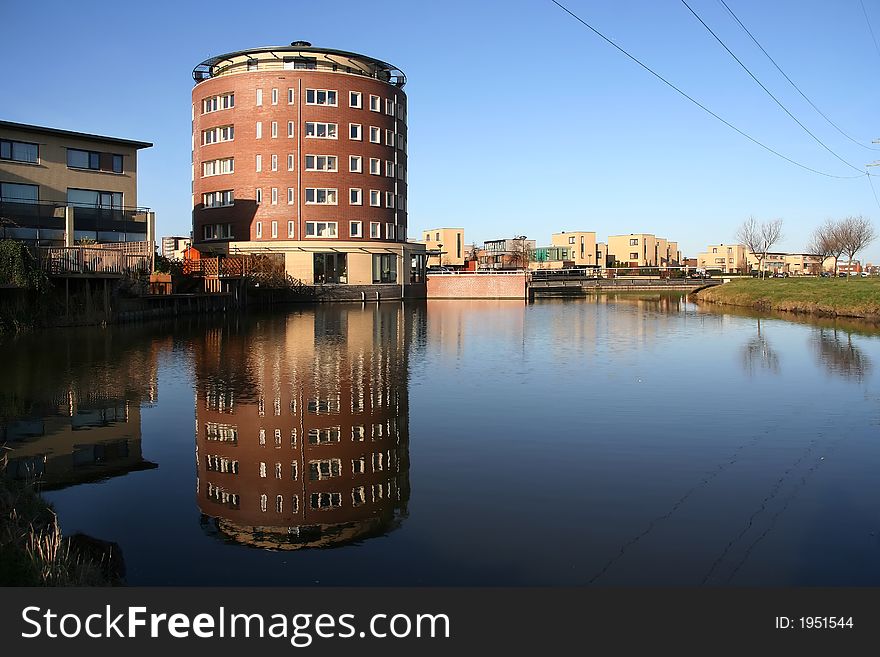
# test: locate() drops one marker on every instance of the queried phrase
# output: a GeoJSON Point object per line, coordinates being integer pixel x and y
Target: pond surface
{"type": "Point", "coordinates": [618, 440]}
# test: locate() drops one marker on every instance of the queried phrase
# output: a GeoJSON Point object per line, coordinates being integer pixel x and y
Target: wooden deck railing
{"type": "Point", "coordinates": [96, 260]}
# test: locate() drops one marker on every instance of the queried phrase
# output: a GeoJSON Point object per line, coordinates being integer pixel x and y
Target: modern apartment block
{"type": "Point", "coordinates": [60, 186]}
{"type": "Point", "coordinates": [174, 247]}
{"type": "Point", "coordinates": [793, 264]}
{"type": "Point", "coordinates": [551, 257]}
{"type": "Point", "coordinates": [508, 253]}
{"type": "Point", "coordinates": [302, 151]}
{"type": "Point", "coordinates": [643, 250]}
{"type": "Point", "coordinates": [582, 245]}
{"type": "Point", "coordinates": [450, 242]}
{"type": "Point", "coordinates": [728, 258]}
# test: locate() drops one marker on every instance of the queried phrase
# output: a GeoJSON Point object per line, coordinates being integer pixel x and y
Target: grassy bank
{"type": "Point", "coordinates": [829, 297]}
{"type": "Point", "coordinates": [33, 551]}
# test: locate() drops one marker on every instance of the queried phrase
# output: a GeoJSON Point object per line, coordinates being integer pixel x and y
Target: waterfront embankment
{"type": "Point", "coordinates": [827, 297]}
{"type": "Point", "coordinates": [33, 551]}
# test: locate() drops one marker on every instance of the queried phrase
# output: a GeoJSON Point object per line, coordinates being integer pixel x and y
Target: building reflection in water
{"type": "Point", "coordinates": [70, 405]}
{"type": "Point", "coordinates": [302, 427]}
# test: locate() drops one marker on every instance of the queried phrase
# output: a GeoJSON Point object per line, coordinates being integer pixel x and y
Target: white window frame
{"type": "Point", "coordinates": [389, 169]}
{"type": "Point", "coordinates": [291, 196]}
{"type": "Point", "coordinates": [358, 229]}
{"type": "Point", "coordinates": [316, 93]}
{"type": "Point", "coordinates": [274, 162]}
{"type": "Point", "coordinates": [327, 127]}
{"type": "Point", "coordinates": [389, 106]}
{"type": "Point", "coordinates": [375, 135]}
{"type": "Point", "coordinates": [275, 230]}
{"type": "Point", "coordinates": [274, 130]}
{"type": "Point", "coordinates": [258, 195]}
{"type": "Point", "coordinates": [355, 164]}
{"type": "Point", "coordinates": [389, 137]}
{"type": "Point", "coordinates": [218, 103]}
{"type": "Point", "coordinates": [259, 233]}
{"type": "Point", "coordinates": [375, 103]}
{"type": "Point", "coordinates": [291, 229]}
{"type": "Point", "coordinates": [259, 162]}
{"type": "Point", "coordinates": [389, 231]}
{"type": "Point", "coordinates": [290, 96]}
{"type": "Point", "coordinates": [275, 196]}
{"type": "Point", "coordinates": [389, 200]}
{"type": "Point", "coordinates": [316, 162]}
{"type": "Point", "coordinates": [274, 96]}
{"type": "Point", "coordinates": [259, 97]}
{"type": "Point", "coordinates": [358, 99]}
{"type": "Point", "coordinates": [291, 131]}
{"type": "Point", "coordinates": [224, 200]}
{"type": "Point", "coordinates": [220, 167]}
{"type": "Point", "coordinates": [218, 134]}
{"type": "Point", "coordinates": [375, 230]}
{"type": "Point", "coordinates": [315, 230]}
{"type": "Point", "coordinates": [259, 130]}
{"type": "Point", "coordinates": [375, 198]}
{"type": "Point", "coordinates": [355, 196]}
{"type": "Point", "coordinates": [359, 136]}
{"type": "Point", "coordinates": [316, 194]}
{"type": "Point", "coordinates": [290, 161]}
{"type": "Point", "coordinates": [375, 166]}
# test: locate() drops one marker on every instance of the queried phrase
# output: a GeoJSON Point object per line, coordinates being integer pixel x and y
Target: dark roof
{"type": "Point", "coordinates": [26, 127]}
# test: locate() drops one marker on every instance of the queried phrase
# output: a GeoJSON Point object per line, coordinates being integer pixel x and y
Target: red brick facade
{"type": "Point", "coordinates": [246, 212]}
{"type": "Point", "coordinates": [477, 286]}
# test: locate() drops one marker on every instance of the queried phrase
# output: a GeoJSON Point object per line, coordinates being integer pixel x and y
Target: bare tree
{"type": "Point", "coordinates": [836, 238]}
{"type": "Point", "coordinates": [759, 238]}
{"type": "Point", "coordinates": [824, 243]}
{"type": "Point", "coordinates": [520, 252]}
{"type": "Point", "coordinates": [855, 234]}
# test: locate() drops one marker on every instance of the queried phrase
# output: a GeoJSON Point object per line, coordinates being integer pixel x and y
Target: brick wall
{"type": "Point", "coordinates": [477, 286]}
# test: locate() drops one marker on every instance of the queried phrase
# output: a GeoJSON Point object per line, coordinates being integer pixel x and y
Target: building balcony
{"type": "Point", "coordinates": [45, 223]}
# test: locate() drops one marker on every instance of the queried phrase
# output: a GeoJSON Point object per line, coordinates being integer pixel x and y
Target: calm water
{"type": "Point", "coordinates": [629, 440]}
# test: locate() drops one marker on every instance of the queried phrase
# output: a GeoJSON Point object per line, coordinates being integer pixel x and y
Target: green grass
{"type": "Point", "coordinates": [834, 297]}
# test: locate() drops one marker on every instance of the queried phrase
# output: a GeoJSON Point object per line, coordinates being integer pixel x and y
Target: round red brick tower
{"type": "Point", "coordinates": [302, 150]}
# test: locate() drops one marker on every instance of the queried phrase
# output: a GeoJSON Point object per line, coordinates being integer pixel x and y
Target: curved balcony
{"type": "Point", "coordinates": [299, 55]}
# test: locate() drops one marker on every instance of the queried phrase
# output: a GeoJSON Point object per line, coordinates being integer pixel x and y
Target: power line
{"type": "Point", "coordinates": [874, 192]}
{"type": "Point", "coordinates": [803, 95]}
{"type": "Point", "coordinates": [870, 29]}
{"type": "Point", "coordinates": [694, 101]}
{"type": "Point", "coordinates": [769, 93]}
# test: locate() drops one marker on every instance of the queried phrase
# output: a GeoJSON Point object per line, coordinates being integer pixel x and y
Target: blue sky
{"type": "Point", "coordinates": [521, 121]}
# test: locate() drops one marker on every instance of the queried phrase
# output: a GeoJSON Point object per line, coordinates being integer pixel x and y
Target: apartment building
{"type": "Point", "coordinates": [643, 250]}
{"type": "Point", "coordinates": [302, 150]}
{"type": "Point", "coordinates": [61, 186]}
{"type": "Point", "coordinates": [729, 258]}
{"type": "Point", "coordinates": [793, 264]}
{"type": "Point", "coordinates": [551, 257]}
{"type": "Point", "coordinates": [448, 243]}
{"type": "Point", "coordinates": [582, 245]}
{"type": "Point", "coordinates": [174, 247]}
{"type": "Point", "coordinates": [511, 253]}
